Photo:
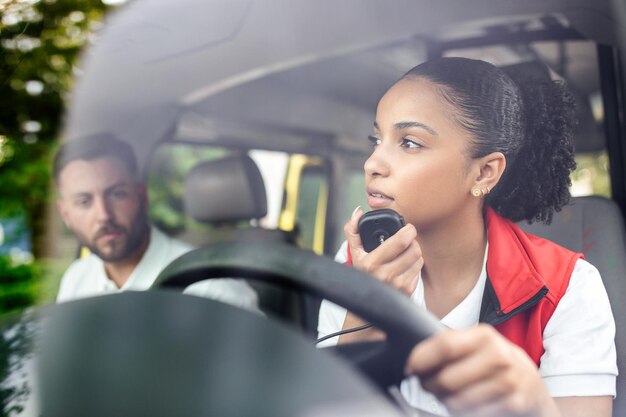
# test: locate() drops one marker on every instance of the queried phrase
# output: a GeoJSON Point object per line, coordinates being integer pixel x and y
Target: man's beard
{"type": "Point", "coordinates": [119, 250]}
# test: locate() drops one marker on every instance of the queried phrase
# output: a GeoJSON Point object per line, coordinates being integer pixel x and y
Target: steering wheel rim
{"type": "Point", "coordinates": [404, 323]}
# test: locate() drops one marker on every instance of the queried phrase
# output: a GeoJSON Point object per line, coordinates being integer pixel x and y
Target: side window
{"type": "Point", "coordinates": [353, 184]}
{"type": "Point", "coordinates": [306, 200]}
{"type": "Point", "coordinates": [312, 202]}
{"type": "Point", "coordinates": [591, 176]}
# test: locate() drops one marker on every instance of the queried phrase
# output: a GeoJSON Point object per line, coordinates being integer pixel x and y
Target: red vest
{"type": "Point", "coordinates": [526, 278]}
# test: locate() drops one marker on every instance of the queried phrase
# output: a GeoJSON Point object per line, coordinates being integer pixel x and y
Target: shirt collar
{"type": "Point", "coordinates": [467, 312]}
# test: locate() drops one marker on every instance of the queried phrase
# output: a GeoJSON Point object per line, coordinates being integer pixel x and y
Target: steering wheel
{"type": "Point", "coordinates": [404, 323]}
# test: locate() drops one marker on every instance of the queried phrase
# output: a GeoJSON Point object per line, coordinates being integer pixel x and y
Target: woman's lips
{"type": "Point", "coordinates": [377, 199]}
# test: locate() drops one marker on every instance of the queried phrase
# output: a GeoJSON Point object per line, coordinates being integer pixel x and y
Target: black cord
{"type": "Point", "coordinates": [346, 331]}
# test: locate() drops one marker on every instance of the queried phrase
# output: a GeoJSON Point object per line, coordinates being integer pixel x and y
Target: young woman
{"type": "Point", "coordinates": [462, 151]}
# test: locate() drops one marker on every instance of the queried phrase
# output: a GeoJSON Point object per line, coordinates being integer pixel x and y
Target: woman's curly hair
{"type": "Point", "coordinates": [528, 118]}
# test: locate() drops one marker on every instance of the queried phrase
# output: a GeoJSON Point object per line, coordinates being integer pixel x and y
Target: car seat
{"type": "Point", "coordinates": [595, 227]}
{"type": "Point", "coordinates": [229, 194]}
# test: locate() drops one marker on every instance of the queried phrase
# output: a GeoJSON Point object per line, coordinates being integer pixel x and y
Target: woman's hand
{"type": "Point", "coordinates": [478, 372]}
{"type": "Point", "coordinates": [397, 261]}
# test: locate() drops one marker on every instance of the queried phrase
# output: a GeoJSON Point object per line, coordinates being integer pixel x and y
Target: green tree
{"type": "Point", "coordinates": [39, 45]}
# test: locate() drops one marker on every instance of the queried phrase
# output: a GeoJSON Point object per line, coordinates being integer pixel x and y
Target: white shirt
{"type": "Point", "coordinates": [578, 340]}
{"type": "Point", "coordinates": [87, 277]}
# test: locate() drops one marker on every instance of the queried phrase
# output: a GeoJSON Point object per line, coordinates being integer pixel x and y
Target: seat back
{"type": "Point", "coordinates": [227, 193]}
{"type": "Point", "coordinates": [595, 227]}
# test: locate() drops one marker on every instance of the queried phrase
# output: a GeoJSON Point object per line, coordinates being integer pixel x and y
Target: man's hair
{"type": "Point", "coordinates": [102, 145]}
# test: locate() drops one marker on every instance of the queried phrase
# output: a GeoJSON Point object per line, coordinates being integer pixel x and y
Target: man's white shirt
{"type": "Point", "coordinates": [86, 277]}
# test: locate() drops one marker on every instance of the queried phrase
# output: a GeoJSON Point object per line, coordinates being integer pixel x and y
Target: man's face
{"type": "Point", "coordinates": [104, 207]}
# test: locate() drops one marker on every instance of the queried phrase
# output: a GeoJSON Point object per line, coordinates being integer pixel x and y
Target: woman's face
{"type": "Point", "coordinates": [419, 165]}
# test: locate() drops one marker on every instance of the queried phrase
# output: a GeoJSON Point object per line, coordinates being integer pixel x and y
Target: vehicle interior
{"type": "Point", "coordinates": [250, 121]}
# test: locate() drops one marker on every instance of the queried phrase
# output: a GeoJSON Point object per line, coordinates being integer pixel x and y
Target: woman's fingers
{"type": "Point", "coordinates": [397, 261]}
{"type": "Point", "coordinates": [351, 230]}
{"type": "Point", "coordinates": [477, 369]}
{"type": "Point", "coordinates": [395, 245]}
{"type": "Point", "coordinates": [447, 347]}
{"type": "Point", "coordinates": [402, 272]}
{"type": "Point", "coordinates": [483, 393]}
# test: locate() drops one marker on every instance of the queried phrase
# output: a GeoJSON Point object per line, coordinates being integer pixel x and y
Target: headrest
{"type": "Point", "coordinates": [230, 189]}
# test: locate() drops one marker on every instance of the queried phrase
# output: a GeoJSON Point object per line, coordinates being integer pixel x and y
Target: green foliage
{"type": "Point", "coordinates": [591, 176]}
{"type": "Point", "coordinates": [40, 42]}
{"type": "Point", "coordinates": [18, 283]}
{"type": "Point", "coordinates": [50, 270]}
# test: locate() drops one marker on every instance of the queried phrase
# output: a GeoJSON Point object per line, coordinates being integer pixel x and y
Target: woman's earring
{"type": "Point", "coordinates": [476, 192]}
{"type": "Point", "coordinates": [488, 190]}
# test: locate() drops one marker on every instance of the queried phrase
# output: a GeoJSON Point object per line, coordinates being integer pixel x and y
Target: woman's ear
{"type": "Point", "coordinates": [491, 169]}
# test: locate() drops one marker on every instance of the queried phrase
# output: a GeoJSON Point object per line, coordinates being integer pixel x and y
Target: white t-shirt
{"type": "Point", "coordinates": [86, 277]}
{"type": "Point", "coordinates": [579, 339]}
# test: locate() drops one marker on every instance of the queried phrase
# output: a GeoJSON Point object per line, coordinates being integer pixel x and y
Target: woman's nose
{"type": "Point", "coordinates": [377, 164]}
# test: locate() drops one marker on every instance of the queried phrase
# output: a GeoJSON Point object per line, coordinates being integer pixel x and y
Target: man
{"type": "Point", "coordinates": [104, 204]}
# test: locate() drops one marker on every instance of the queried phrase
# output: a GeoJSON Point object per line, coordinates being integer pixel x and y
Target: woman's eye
{"type": "Point", "coordinates": [374, 141]}
{"type": "Point", "coordinates": [408, 143]}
